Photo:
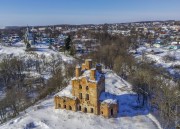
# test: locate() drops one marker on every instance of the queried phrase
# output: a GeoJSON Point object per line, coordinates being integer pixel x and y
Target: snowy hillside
{"type": "Point", "coordinates": [18, 50]}
{"type": "Point", "coordinates": [44, 116]}
{"type": "Point", "coordinates": [41, 53]}
{"type": "Point", "coordinates": [171, 66]}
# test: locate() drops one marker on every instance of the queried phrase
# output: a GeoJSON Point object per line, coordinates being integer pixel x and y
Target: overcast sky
{"type": "Point", "coordinates": [48, 12]}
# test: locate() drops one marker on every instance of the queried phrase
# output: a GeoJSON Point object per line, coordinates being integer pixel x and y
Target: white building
{"type": "Point", "coordinates": [29, 36]}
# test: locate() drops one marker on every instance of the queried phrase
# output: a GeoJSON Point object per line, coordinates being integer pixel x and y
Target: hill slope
{"type": "Point", "coordinates": [44, 116]}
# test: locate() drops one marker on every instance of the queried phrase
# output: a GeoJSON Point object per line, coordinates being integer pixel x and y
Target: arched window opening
{"type": "Point", "coordinates": [87, 96]}
{"type": "Point", "coordinates": [85, 110]}
{"type": "Point", "coordinates": [59, 105]}
{"type": "Point", "coordinates": [70, 108]}
{"type": "Point", "coordinates": [92, 110]}
{"type": "Point", "coordinates": [80, 95]}
{"type": "Point", "coordinates": [111, 112]}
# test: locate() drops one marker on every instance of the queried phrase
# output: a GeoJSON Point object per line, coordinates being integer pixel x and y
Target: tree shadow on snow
{"type": "Point", "coordinates": [128, 104]}
{"type": "Point", "coordinates": [42, 49]}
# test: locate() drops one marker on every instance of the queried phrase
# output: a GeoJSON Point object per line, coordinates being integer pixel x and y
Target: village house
{"type": "Point", "coordinates": [88, 93]}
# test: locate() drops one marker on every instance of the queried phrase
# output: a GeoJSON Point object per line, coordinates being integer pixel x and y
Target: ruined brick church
{"type": "Point", "coordinates": [86, 91]}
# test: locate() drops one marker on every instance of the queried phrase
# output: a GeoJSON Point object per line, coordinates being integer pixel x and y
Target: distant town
{"type": "Point", "coordinates": [153, 38]}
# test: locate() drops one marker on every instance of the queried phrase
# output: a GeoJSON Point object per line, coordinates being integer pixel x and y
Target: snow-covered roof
{"type": "Point", "coordinates": [93, 69]}
{"type": "Point", "coordinates": [106, 98]}
{"type": "Point", "coordinates": [89, 59]}
{"type": "Point", "coordinates": [98, 64]}
{"type": "Point", "coordinates": [109, 101]}
{"type": "Point", "coordinates": [66, 92]}
{"type": "Point", "coordinates": [86, 74]}
{"type": "Point", "coordinates": [78, 66]}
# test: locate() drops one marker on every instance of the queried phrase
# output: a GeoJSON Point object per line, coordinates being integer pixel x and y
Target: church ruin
{"type": "Point", "coordinates": [86, 93]}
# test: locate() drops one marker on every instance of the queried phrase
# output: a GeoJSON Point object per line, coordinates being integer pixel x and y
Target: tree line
{"type": "Point", "coordinates": [24, 82]}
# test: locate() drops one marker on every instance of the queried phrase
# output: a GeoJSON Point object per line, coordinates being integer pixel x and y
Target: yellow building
{"type": "Point", "coordinates": [86, 92]}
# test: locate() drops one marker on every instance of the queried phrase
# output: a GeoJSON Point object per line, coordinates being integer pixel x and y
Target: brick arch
{"type": "Point", "coordinates": [70, 108]}
{"type": "Point", "coordinates": [85, 109]}
{"type": "Point", "coordinates": [59, 105]}
{"type": "Point", "coordinates": [79, 108]}
{"type": "Point", "coordinates": [87, 87]}
{"type": "Point", "coordinates": [112, 113]}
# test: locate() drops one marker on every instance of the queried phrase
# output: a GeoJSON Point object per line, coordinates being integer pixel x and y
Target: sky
{"type": "Point", "coordinates": [50, 12]}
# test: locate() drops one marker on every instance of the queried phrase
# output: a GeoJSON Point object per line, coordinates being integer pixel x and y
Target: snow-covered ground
{"type": "Point", "coordinates": [44, 116]}
{"type": "Point", "coordinates": [40, 51]}
{"type": "Point", "coordinates": [18, 49]}
{"type": "Point", "coordinates": [159, 58]}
